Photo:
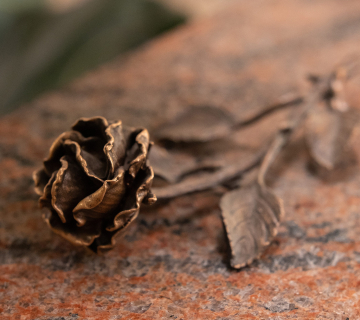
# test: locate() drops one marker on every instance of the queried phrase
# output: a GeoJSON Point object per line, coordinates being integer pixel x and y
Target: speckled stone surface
{"type": "Point", "coordinates": [172, 263]}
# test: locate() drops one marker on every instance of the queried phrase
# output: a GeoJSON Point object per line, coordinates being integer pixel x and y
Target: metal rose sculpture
{"type": "Point", "coordinates": [97, 174]}
{"type": "Point", "coordinates": [94, 180]}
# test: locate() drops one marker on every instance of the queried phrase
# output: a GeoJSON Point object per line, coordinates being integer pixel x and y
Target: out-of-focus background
{"type": "Point", "coordinates": [46, 43]}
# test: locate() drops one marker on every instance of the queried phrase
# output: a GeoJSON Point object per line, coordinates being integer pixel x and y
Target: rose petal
{"type": "Point", "coordinates": [81, 236]}
{"type": "Point", "coordinates": [90, 150]}
{"type": "Point", "coordinates": [133, 197]}
{"type": "Point", "coordinates": [40, 178]}
{"type": "Point", "coordinates": [71, 185]}
{"type": "Point", "coordinates": [45, 199]}
{"type": "Point", "coordinates": [91, 127]}
{"type": "Point", "coordinates": [95, 128]}
{"type": "Point", "coordinates": [92, 166]}
{"type": "Point", "coordinates": [115, 149]}
{"type": "Point", "coordinates": [136, 155]}
{"type": "Point", "coordinates": [103, 201]}
{"type": "Point", "coordinates": [107, 239]}
{"type": "Point", "coordinates": [57, 150]}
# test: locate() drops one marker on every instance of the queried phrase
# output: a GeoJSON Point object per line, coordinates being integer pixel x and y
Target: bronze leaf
{"type": "Point", "coordinates": [252, 214]}
{"type": "Point", "coordinates": [197, 124]}
{"type": "Point", "coordinates": [171, 166]}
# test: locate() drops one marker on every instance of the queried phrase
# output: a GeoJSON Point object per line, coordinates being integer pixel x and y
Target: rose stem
{"type": "Point", "coordinates": [283, 103]}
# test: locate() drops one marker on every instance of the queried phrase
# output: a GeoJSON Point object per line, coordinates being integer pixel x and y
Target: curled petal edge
{"type": "Point", "coordinates": [143, 141]}
{"type": "Point", "coordinates": [38, 177]}
{"type": "Point", "coordinates": [54, 189]}
{"type": "Point", "coordinates": [87, 240]}
{"type": "Point", "coordinates": [110, 145]}
{"type": "Point", "coordinates": [81, 161]}
{"type": "Point", "coordinates": [95, 201]}
{"type": "Point", "coordinates": [119, 226]}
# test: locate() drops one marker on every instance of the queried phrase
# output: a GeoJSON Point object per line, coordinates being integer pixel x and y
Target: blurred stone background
{"type": "Point", "coordinates": [46, 43]}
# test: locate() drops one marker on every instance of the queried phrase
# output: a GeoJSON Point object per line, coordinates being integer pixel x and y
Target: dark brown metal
{"type": "Point", "coordinates": [94, 180]}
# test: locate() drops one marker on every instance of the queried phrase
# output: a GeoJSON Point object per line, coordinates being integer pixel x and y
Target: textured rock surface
{"type": "Point", "coordinates": [172, 263]}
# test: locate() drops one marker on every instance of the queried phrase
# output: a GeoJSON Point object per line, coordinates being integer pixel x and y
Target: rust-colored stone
{"type": "Point", "coordinates": [171, 264]}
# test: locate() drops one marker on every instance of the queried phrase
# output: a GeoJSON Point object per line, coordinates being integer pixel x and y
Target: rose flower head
{"type": "Point", "coordinates": [94, 180]}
